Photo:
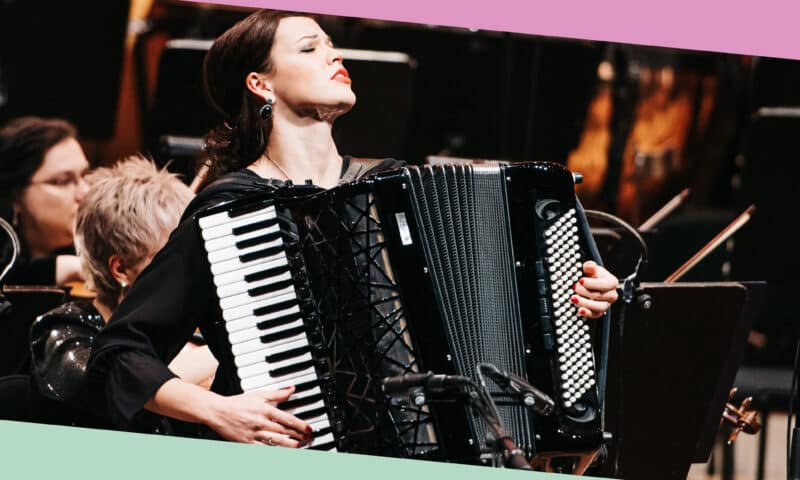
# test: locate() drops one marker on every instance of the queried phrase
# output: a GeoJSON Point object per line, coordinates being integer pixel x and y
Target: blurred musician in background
{"type": "Point", "coordinates": [122, 222]}
{"type": "Point", "coordinates": [279, 84]}
{"type": "Point", "coordinates": [42, 169]}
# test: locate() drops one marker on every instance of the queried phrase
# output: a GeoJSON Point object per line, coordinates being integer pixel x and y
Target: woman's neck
{"type": "Point", "coordinates": [301, 150]}
{"type": "Point", "coordinates": [104, 310]}
{"type": "Point", "coordinates": [38, 243]}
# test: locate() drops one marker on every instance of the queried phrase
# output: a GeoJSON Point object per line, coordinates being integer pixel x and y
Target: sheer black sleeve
{"type": "Point", "coordinates": [129, 360]}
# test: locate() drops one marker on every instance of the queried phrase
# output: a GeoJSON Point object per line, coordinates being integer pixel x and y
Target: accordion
{"type": "Point", "coordinates": [414, 270]}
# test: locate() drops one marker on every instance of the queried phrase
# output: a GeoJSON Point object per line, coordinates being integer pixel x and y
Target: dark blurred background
{"type": "Point", "coordinates": [640, 123]}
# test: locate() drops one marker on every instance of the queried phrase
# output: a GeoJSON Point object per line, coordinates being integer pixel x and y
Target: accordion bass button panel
{"type": "Point", "coordinates": [563, 267]}
{"type": "Point", "coordinates": [264, 308]}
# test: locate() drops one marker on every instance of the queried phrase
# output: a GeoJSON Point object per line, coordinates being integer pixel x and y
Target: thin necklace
{"type": "Point", "coordinates": [279, 168]}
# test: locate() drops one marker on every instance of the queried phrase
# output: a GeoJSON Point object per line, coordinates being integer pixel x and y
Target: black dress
{"type": "Point", "coordinates": [174, 295]}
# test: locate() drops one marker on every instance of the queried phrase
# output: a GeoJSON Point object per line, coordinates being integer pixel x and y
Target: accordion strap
{"type": "Point", "coordinates": [358, 167]}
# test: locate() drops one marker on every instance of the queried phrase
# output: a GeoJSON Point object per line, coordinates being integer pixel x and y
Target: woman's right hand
{"type": "Point", "coordinates": [254, 417]}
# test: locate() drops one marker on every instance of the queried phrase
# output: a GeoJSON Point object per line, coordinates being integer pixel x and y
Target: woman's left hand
{"type": "Point", "coordinates": [595, 291]}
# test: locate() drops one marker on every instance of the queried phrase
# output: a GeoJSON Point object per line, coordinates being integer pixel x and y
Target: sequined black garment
{"type": "Point", "coordinates": [61, 341]}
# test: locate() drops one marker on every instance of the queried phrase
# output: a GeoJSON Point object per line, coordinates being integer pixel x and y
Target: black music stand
{"type": "Point", "coordinates": [180, 115]}
{"type": "Point", "coordinates": [670, 373]}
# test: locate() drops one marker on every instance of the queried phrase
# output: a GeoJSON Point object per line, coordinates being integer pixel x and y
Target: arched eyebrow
{"type": "Point", "coordinates": [328, 39]}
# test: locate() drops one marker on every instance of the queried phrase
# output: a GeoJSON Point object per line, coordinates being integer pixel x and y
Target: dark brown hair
{"type": "Point", "coordinates": [24, 142]}
{"type": "Point", "coordinates": [244, 48]}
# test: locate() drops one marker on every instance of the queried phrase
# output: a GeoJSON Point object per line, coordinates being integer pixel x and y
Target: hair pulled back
{"type": "Point", "coordinates": [244, 48]}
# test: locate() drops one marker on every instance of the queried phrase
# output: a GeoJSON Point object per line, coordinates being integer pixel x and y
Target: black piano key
{"type": "Point", "coordinates": [267, 252]}
{"type": "Point", "coordinates": [271, 272]}
{"type": "Point", "coordinates": [272, 287]}
{"type": "Point", "coordinates": [252, 227]}
{"type": "Point", "coordinates": [287, 354]}
{"type": "Point", "coordinates": [278, 372]}
{"type": "Point", "coordinates": [321, 432]}
{"type": "Point", "coordinates": [266, 238]}
{"type": "Point", "coordinates": [249, 206]}
{"type": "Point", "coordinates": [311, 413]}
{"type": "Point", "coordinates": [277, 322]}
{"type": "Point", "coordinates": [277, 307]}
{"type": "Point", "coordinates": [289, 332]}
{"type": "Point", "coordinates": [299, 402]}
{"type": "Point", "coordinates": [302, 387]}
{"type": "Point", "coordinates": [323, 446]}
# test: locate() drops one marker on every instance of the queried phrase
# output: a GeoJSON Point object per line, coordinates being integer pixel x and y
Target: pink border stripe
{"type": "Point", "coordinates": [766, 27]}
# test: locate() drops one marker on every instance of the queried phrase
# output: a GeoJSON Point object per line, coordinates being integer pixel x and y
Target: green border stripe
{"type": "Point", "coordinates": [46, 451]}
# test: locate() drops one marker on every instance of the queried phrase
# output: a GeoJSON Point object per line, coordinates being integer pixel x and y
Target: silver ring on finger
{"type": "Point", "coordinates": [270, 442]}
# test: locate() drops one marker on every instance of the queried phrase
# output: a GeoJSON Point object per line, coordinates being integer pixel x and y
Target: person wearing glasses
{"type": "Point", "coordinates": [42, 169]}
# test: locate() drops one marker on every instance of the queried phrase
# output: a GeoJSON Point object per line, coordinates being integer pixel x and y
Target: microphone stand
{"type": "Point", "coordinates": [506, 451]}
{"type": "Point", "coordinates": [504, 446]}
{"type": "Point", "coordinates": [478, 399]}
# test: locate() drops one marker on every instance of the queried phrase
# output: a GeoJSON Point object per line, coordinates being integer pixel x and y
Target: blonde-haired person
{"type": "Point", "coordinates": [122, 222]}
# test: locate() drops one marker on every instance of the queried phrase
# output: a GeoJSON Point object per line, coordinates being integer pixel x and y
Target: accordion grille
{"type": "Point", "coordinates": [462, 215]}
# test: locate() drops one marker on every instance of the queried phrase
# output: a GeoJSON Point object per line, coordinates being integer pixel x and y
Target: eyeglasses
{"type": "Point", "coordinates": [64, 180]}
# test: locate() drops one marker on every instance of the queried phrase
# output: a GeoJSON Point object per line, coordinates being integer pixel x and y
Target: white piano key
{"type": "Point", "coordinates": [267, 380]}
{"type": "Point", "coordinates": [248, 363]}
{"type": "Point", "coordinates": [289, 382]}
{"type": "Point", "coordinates": [245, 299]}
{"type": "Point", "coordinates": [318, 423]}
{"type": "Point", "coordinates": [236, 263]}
{"type": "Point", "coordinates": [222, 229]}
{"type": "Point", "coordinates": [305, 393]}
{"type": "Point", "coordinates": [243, 286]}
{"type": "Point", "coordinates": [245, 310]}
{"type": "Point", "coordinates": [256, 266]}
{"type": "Point", "coordinates": [328, 437]}
{"type": "Point", "coordinates": [252, 320]}
{"type": "Point", "coordinates": [264, 367]}
{"type": "Point", "coordinates": [223, 254]}
{"type": "Point", "coordinates": [231, 240]}
{"type": "Point", "coordinates": [247, 347]}
{"type": "Point", "coordinates": [256, 357]}
{"type": "Point", "coordinates": [247, 358]}
{"type": "Point", "coordinates": [307, 407]}
{"type": "Point", "coordinates": [221, 218]}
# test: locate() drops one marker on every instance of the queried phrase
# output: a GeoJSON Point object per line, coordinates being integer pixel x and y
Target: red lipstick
{"type": "Point", "coordinates": [341, 75]}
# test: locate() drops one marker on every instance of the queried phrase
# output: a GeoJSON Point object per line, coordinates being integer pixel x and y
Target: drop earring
{"type": "Point", "coordinates": [266, 110]}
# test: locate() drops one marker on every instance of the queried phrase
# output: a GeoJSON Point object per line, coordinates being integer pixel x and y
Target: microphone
{"type": "Point", "coordinates": [532, 397]}
{"type": "Point", "coordinates": [429, 381]}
